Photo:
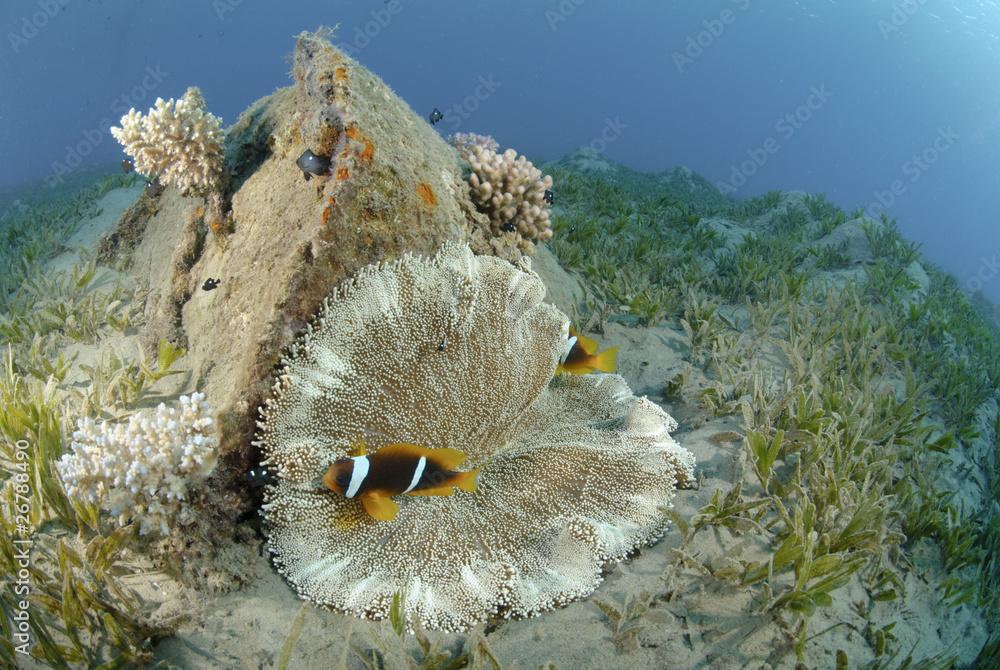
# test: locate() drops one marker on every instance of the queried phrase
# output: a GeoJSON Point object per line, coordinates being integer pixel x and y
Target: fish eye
{"type": "Point", "coordinates": [344, 480]}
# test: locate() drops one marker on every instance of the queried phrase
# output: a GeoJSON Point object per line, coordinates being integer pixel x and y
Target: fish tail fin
{"type": "Point", "coordinates": [607, 361]}
{"type": "Point", "coordinates": [466, 480]}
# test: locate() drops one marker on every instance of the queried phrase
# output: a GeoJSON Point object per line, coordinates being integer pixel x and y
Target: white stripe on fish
{"type": "Point", "coordinates": [358, 474]}
{"type": "Point", "coordinates": [417, 473]}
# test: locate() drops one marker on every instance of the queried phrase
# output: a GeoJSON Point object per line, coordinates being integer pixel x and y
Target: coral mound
{"type": "Point", "coordinates": [511, 191]}
{"type": "Point", "coordinates": [144, 468]}
{"type": "Point", "coordinates": [459, 351]}
{"type": "Point", "coordinates": [177, 140]}
{"type": "Point", "coordinates": [394, 186]}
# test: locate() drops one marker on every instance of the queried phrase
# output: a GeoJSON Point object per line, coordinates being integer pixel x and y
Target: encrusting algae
{"type": "Point", "coordinates": [458, 352]}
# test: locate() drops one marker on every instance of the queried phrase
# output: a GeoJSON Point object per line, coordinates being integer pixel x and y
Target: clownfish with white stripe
{"type": "Point", "coordinates": [581, 356]}
{"type": "Point", "coordinates": [398, 469]}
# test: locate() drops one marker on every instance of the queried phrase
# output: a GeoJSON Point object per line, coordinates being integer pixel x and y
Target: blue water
{"type": "Point", "coordinates": [891, 106]}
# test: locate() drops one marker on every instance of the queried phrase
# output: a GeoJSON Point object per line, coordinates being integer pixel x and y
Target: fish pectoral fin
{"type": "Point", "coordinates": [446, 490]}
{"type": "Point", "coordinates": [379, 506]}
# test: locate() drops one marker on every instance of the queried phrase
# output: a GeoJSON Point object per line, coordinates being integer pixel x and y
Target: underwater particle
{"type": "Point", "coordinates": [398, 469]}
{"type": "Point", "coordinates": [127, 165]}
{"type": "Point", "coordinates": [426, 194]}
{"type": "Point", "coordinates": [549, 196]}
{"type": "Point", "coordinates": [313, 165]}
{"type": "Point", "coordinates": [435, 116]}
{"type": "Point", "coordinates": [581, 356]}
{"type": "Point", "coordinates": [154, 187]}
{"type": "Point", "coordinates": [210, 284]}
{"type": "Point", "coordinates": [574, 470]}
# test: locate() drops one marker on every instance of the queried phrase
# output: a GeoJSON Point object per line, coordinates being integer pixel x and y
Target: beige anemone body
{"type": "Point", "coordinates": [459, 351]}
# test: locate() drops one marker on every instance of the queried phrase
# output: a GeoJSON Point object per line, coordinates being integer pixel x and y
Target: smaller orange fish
{"type": "Point", "coordinates": [397, 469]}
{"type": "Point", "coordinates": [582, 357]}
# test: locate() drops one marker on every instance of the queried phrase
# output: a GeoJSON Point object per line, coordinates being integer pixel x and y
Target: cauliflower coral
{"type": "Point", "coordinates": [512, 192]}
{"type": "Point", "coordinates": [143, 469]}
{"type": "Point", "coordinates": [178, 141]}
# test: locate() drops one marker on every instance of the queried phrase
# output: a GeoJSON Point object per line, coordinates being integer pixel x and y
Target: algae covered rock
{"type": "Point", "coordinates": [393, 186]}
{"type": "Point", "coordinates": [851, 239]}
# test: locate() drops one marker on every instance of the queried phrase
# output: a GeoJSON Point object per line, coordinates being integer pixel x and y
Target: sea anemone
{"type": "Point", "coordinates": [459, 351]}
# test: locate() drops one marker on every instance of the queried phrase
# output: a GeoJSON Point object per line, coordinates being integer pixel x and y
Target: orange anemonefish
{"type": "Point", "coordinates": [397, 469]}
{"type": "Point", "coordinates": [581, 356]}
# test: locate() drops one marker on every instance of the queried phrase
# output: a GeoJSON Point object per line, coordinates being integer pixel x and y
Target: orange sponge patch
{"type": "Point", "coordinates": [341, 73]}
{"type": "Point", "coordinates": [342, 174]}
{"type": "Point", "coordinates": [426, 194]}
{"type": "Point", "coordinates": [328, 210]}
{"type": "Point", "coordinates": [369, 151]}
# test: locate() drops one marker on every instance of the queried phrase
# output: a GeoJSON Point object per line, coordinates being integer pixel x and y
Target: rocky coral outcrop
{"type": "Point", "coordinates": [393, 186]}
